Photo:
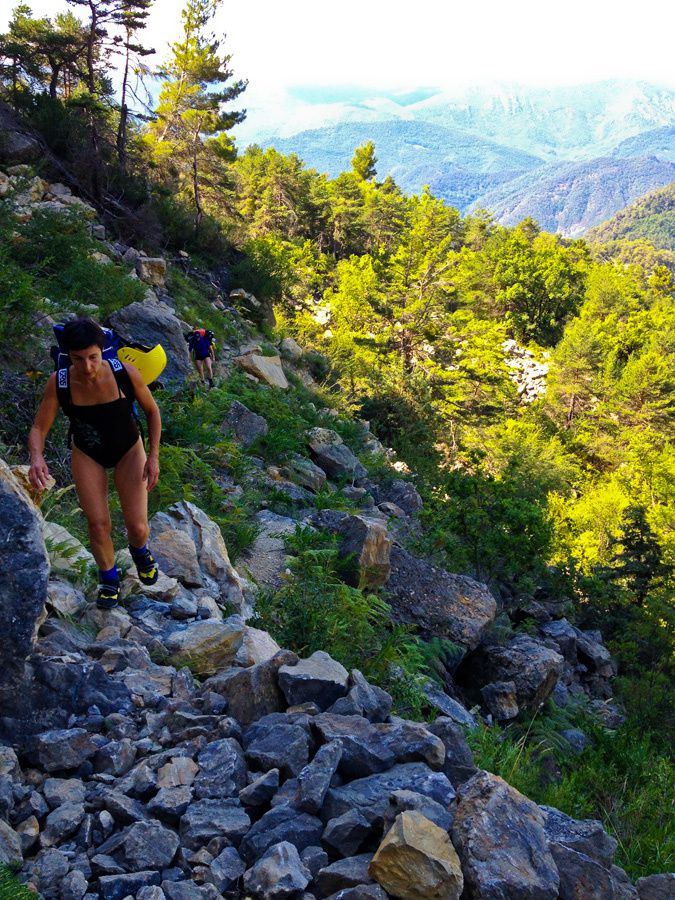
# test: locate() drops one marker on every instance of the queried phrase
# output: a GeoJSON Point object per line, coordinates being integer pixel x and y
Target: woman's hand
{"type": "Point", "coordinates": [151, 471]}
{"type": "Point", "coordinates": [38, 474]}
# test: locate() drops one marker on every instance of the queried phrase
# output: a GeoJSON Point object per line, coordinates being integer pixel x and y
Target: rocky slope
{"type": "Point", "coordinates": [168, 750]}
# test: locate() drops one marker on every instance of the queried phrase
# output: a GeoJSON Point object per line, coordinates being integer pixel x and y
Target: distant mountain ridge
{"type": "Point", "coordinates": [651, 217]}
{"type": "Point", "coordinates": [569, 157]}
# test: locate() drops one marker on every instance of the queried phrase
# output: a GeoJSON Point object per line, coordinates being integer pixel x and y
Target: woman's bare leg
{"type": "Point", "coordinates": [133, 494]}
{"type": "Point", "coordinates": [199, 363]}
{"type": "Point", "coordinates": [91, 483]}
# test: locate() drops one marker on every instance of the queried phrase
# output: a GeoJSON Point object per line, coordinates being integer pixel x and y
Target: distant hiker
{"type": "Point", "coordinates": [202, 345]}
{"type": "Point", "coordinates": [98, 395]}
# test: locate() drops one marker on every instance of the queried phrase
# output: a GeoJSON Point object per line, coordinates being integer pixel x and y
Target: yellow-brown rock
{"type": "Point", "coordinates": [266, 368]}
{"type": "Point", "coordinates": [36, 495]}
{"type": "Point", "coordinates": [416, 861]}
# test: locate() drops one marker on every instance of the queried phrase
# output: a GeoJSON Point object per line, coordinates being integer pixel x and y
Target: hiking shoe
{"type": "Point", "coordinates": [108, 596]}
{"type": "Point", "coordinates": [146, 568]}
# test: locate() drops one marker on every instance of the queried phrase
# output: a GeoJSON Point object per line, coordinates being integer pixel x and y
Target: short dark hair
{"type": "Point", "coordinates": [78, 334]}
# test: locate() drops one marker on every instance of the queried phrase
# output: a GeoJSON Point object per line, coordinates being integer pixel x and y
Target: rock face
{"type": "Point", "coordinates": [217, 572]}
{"type": "Point", "coordinates": [153, 322]}
{"type": "Point", "coordinates": [266, 368]}
{"type": "Point", "coordinates": [24, 573]}
{"type": "Point", "coordinates": [529, 664]}
{"type": "Point", "coordinates": [451, 606]}
{"type": "Point", "coordinates": [500, 839]}
{"type": "Point", "coordinates": [416, 861]}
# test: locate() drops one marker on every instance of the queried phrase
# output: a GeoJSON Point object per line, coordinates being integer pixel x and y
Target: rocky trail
{"type": "Point", "coordinates": [169, 750]}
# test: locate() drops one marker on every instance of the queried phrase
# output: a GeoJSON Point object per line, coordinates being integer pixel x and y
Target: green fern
{"type": "Point", "coordinates": [11, 888]}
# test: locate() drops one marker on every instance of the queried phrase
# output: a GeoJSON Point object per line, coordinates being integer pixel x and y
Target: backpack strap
{"type": "Point", "coordinates": [125, 385]}
{"type": "Point", "coordinates": [63, 390]}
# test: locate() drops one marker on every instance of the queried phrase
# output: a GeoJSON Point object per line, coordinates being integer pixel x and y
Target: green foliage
{"type": "Point", "coordinates": [316, 610]}
{"type": "Point", "coordinates": [10, 886]}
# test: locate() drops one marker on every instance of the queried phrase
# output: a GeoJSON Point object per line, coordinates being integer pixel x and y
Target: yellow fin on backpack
{"type": "Point", "coordinates": [149, 362]}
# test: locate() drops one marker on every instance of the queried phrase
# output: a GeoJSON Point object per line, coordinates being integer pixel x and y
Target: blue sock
{"type": "Point", "coordinates": [138, 552]}
{"type": "Point", "coordinates": [109, 576]}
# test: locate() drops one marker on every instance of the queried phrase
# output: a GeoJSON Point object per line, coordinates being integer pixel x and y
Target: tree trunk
{"type": "Point", "coordinates": [124, 113]}
{"type": "Point", "coordinates": [199, 212]}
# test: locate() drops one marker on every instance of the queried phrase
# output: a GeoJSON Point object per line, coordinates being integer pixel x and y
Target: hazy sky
{"type": "Point", "coordinates": [431, 42]}
{"type": "Point", "coordinates": [424, 43]}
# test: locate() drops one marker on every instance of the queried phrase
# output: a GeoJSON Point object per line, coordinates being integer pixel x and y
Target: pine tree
{"type": "Point", "coordinates": [132, 17]}
{"type": "Point", "coordinates": [638, 560]}
{"type": "Point", "coordinates": [191, 125]}
{"type": "Point", "coordinates": [364, 162]}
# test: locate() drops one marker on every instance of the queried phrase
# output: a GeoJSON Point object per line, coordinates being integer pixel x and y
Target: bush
{"type": "Point", "coordinates": [316, 610]}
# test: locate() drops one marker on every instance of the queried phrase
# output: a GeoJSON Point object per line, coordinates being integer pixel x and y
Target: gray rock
{"type": "Point", "coordinates": [314, 858]}
{"type": "Point", "coordinates": [116, 758]}
{"type": "Point", "coordinates": [64, 598]}
{"type": "Point", "coordinates": [222, 770]}
{"type": "Point", "coordinates": [207, 819]}
{"type": "Point", "coordinates": [279, 873]}
{"type": "Point", "coordinates": [412, 741]}
{"type": "Point", "coordinates": [333, 456]}
{"type": "Point", "coordinates": [371, 701]}
{"type": "Point", "coordinates": [656, 887]}
{"type": "Point", "coordinates": [564, 636]}
{"type": "Point", "coordinates": [459, 765]}
{"type": "Point", "coordinates": [576, 738]}
{"type": "Point", "coordinates": [176, 555]}
{"type": "Point", "coordinates": [361, 892]}
{"type": "Point", "coordinates": [170, 803]}
{"type": "Point", "coordinates": [48, 868]}
{"type": "Point", "coordinates": [151, 893]}
{"type": "Point", "coordinates": [533, 667]}
{"type": "Point", "coordinates": [500, 699]}
{"type": "Point", "coordinates": [450, 606]}
{"type": "Point", "coordinates": [623, 889]}
{"type": "Point", "coordinates": [373, 792]}
{"type": "Point", "coordinates": [226, 869]}
{"type": "Point", "coordinates": [24, 574]}
{"type": "Point", "coordinates": [74, 886]}
{"type": "Point", "coordinates": [154, 323]}
{"type": "Point", "coordinates": [10, 844]}
{"type": "Point", "coordinates": [315, 778]}
{"type": "Point", "coordinates": [246, 425]}
{"type": "Point", "coordinates": [281, 746]}
{"type": "Point", "coordinates": [63, 790]}
{"type": "Point", "coordinates": [291, 350]}
{"type": "Point", "coordinates": [345, 873]}
{"type": "Point", "coordinates": [119, 887]}
{"type": "Point", "coordinates": [261, 790]}
{"type": "Point", "coordinates": [400, 801]}
{"type": "Point", "coordinates": [365, 748]}
{"type": "Point", "coordinates": [580, 876]}
{"type": "Point", "coordinates": [448, 706]}
{"type": "Point", "coordinates": [187, 890]}
{"type": "Point", "coordinates": [583, 835]}
{"type": "Point", "coordinates": [305, 473]}
{"type": "Point", "coordinates": [318, 679]}
{"type": "Point", "coordinates": [346, 834]}
{"type": "Point", "coordinates": [61, 823]}
{"type": "Point", "coordinates": [499, 837]}
{"type": "Point", "coordinates": [147, 845]}
{"type": "Point", "coordinates": [365, 540]}
{"type": "Point", "coordinates": [253, 692]}
{"type": "Point", "coordinates": [61, 749]}
{"type": "Point", "coordinates": [403, 494]}
{"type": "Point", "coordinates": [282, 823]}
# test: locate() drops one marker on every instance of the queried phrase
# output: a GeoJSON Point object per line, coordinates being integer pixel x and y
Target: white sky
{"type": "Point", "coordinates": [430, 43]}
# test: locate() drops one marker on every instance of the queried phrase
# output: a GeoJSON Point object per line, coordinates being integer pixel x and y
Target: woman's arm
{"type": "Point", "coordinates": [38, 474]}
{"type": "Point", "coordinates": [153, 416]}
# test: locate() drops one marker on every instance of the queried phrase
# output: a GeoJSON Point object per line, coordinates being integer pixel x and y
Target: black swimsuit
{"type": "Point", "coordinates": [104, 431]}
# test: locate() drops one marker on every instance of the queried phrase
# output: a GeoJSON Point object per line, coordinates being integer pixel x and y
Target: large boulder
{"type": "Point", "coordinates": [244, 424]}
{"type": "Point", "coordinates": [265, 368]}
{"type": "Point", "coordinates": [499, 836]}
{"type": "Point", "coordinates": [416, 861]}
{"type": "Point", "coordinates": [152, 322]}
{"type": "Point", "coordinates": [533, 667]}
{"type": "Point", "coordinates": [366, 540]}
{"type": "Point", "coordinates": [332, 455]}
{"type": "Point", "coordinates": [151, 270]}
{"type": "Point", "coordinates": [24, 574]}
{"type": "Point", "coordinates": [217, 572]}
{"type": "Point", "coordinates": [206, 647]}
{"type": "Point", "coordinates": [450, 606]}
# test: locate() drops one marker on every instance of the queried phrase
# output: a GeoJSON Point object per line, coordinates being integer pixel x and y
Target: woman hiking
{"type": "Point", "coordinates": [97, 395]}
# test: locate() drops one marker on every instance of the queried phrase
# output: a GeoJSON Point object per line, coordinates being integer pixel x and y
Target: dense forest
{"type": "Point", "coordinates": [407, 312]}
